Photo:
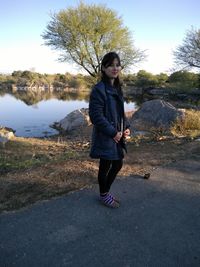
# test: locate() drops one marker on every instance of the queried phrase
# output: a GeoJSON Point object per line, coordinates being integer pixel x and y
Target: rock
{"type": "Point", "coordinates": [154, 115]}
{"type": "Point", "coordinates": [78, 120]}
{"type": "Point", "coordinates": [5, 135]}
{"type": "Point", "coordinates": [75, 119]}
{"type": "Point", "coordinates": [6, 129]}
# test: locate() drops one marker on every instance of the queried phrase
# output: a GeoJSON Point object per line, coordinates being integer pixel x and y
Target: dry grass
{"type": "Point", "coordinates": [35, 169]}
{"type": "Point", "coordinates": [187, 126]}
{"type": "Point", "coordinates": [32, 169]}
{"type": "Point", "coordinates": [22, 153]}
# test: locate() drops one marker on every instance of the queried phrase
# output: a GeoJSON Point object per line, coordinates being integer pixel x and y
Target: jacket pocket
{"type": "Point", "coordinates": [106, 141]}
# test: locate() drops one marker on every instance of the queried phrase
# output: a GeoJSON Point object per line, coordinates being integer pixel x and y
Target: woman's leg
{"type": "Point", "coordinates": [113, 171]}
{"type": "Point", "coordinates": [107, 173]}
{"type": "Point", "coordinates": [104, 167]}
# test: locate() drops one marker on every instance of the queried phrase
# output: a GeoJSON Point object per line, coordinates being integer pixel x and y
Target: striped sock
{"type": "Point", "coordinates": [107, 198]}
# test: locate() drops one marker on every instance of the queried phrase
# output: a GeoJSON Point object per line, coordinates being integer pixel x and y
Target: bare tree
{"type": "Point", "coordinates": [187, 55]}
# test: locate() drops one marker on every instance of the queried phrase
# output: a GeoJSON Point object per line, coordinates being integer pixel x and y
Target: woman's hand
{"type": "Point", "coordinates": [117, 137]}
{"type": "Point", "coordinates": [126, 133]}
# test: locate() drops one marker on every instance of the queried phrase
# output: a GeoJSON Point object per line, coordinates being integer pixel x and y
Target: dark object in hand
{"type": "Point", "coordinates": [123, 143]}
{"type": "Point", "coordinates": [146, 176]}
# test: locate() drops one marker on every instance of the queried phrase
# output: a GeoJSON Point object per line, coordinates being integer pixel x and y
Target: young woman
{"type": "Point", "coordinates": [110, 128]}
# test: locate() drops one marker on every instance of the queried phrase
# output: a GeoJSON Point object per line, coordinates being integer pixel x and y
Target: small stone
{"type": "Point", "coordinates": [147, 175]}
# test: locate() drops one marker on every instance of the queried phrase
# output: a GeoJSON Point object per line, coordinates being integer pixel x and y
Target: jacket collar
{"type": "Point", "coordinates": [110, 90]}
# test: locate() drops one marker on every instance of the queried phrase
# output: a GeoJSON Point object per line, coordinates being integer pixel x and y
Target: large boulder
{"type": "Point", "coordinates": [6, 134]}
{"type": "Point", "coordinates": [78, 120]}
{"type": "Point", "coordinates": [154, 115]}
{"type": "Point", "coordinates": [74, 120]}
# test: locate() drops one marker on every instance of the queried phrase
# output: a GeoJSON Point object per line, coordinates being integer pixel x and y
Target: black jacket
{"type": "Point", "coordinates": [106, 111]}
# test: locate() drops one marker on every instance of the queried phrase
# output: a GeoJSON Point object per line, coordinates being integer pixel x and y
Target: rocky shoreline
{"type": "Point", "coordinates": [152, 118]}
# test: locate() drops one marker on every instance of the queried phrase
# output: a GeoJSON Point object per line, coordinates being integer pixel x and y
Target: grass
{"type": "Point", "coordinates": [188, 126]}
{"type": "Point", "coordinates": [32, 169]}
{"type": "Point", "coordinates": [24, 153]}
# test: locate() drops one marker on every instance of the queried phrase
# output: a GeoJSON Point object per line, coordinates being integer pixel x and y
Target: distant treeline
{"type": "Point", "coordinates": [31, 79]}
{"type": "Point", "coordinates": [180, 80]}
{"type": "Point", "coordinates": [184, 81]}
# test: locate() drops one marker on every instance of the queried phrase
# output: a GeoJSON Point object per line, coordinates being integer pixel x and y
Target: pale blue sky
{"type": "Point", "coordinates": [157, 26]}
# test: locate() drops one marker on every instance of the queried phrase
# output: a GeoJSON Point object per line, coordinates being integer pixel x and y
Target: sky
{"type": "Point", "coordinates": [157, 26]}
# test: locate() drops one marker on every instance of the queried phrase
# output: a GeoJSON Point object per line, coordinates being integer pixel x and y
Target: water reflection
{"type": "Point", "coordinates": [31, 113]}
{"type": "Point", "coordinates": [31, 97]}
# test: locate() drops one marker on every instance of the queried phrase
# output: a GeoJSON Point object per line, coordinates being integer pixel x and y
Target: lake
{"type": "Point", "coordinates": [31, 117]}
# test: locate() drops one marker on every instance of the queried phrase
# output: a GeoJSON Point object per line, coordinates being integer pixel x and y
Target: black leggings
{"type": "Point", "coordinates": [108, 170]}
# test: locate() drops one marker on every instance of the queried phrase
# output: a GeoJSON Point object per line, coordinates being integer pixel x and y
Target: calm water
{"type": "Point", "coordinates": [33, 120]}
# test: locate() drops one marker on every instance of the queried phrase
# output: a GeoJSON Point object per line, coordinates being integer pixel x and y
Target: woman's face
{"type": "Point", "coordinates": [113, 70]}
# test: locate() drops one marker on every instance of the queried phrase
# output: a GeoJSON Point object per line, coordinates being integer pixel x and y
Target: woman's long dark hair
{"type": "Point", "coordinates": [106, 62]}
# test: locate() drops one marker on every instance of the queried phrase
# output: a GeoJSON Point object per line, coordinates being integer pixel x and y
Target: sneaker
{"type": "Point", "coordinates": [109, 201]}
